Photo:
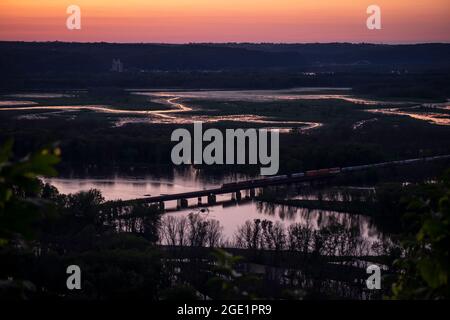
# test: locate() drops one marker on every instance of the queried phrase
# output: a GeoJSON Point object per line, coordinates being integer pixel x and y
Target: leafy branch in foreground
{"type": "Point", "coordinates": [19, 190]}
{"type": "Point", "coordinates": [227, 282]}
{"type": "Point", "coordinates": [424, 270]}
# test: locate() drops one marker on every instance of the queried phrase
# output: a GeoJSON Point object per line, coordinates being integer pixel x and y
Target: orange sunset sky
{"type": "Point", "coordinates": [180, 21]}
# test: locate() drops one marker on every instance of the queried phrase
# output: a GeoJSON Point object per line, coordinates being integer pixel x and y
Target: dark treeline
{"type": "Point", "coordinates": [415, 85]}
{"type": "Point", "coordinates": [89, 57]}
{"type": "Point", "coordinates": [91, 142]}
{"type": "Point", "coordinates": [384, 70]}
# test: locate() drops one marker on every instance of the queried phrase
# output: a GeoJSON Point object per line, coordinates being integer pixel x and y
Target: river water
{"type": "Point", "coordinates": [229, 213]}
{"type": "Point", "coordinates": [178, 111]}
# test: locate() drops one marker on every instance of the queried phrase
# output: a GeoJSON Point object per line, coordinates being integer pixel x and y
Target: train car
{"type": "Point", "coordinates": [380, 165]}
{"type": "Point", "coordinates": [298, 175]}
{"type": "Point", "coordinates": [349, 169]}
{"type": "Point", "coordinates": [258, 180]}
{"type": "Point", "coordinates": [356, 168]}
{"type": "Point", "coordinates": [413, 160]}
{"type": "Point", "coordinates": [251, 183]}
{"type": "Point", "coordinates": [246, 183]}
{"type": "Point", "coordinates": [276, 178]}
{"type": "Point", "coordinates": [229, 185]}
{"type": "Point", "coordinates": [323, 172]}
{"type": "Point", "coordinates": [335, 170]}
{"type": "Point", "coordinates": [436, 158]}
{"type": "Point", "coordinates": [312, 173]}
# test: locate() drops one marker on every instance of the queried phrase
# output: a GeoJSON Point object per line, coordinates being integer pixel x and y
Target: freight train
{"type": "Point", "coordinates": [325, 172]}
{"type": "Point", "coordinates": [310, 173]}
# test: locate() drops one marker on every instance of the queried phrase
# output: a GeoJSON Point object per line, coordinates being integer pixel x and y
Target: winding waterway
{"type": "Point", "coordinates": [176, 114]}
{"type": "Point", "coordinates": [180, 112]}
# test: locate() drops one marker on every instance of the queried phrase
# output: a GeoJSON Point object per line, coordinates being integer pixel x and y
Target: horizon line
{"type": "Point", "coordinates": [228, 42]}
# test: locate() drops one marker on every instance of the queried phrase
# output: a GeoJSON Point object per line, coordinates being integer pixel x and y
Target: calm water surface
{"type": "Point", "coordinates": [230, 214]}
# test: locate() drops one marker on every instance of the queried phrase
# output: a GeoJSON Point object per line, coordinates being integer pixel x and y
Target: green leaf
{"type": "Point", "coordinates": [431, 273]}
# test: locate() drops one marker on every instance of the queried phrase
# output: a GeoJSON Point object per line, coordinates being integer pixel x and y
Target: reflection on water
{"type": "Point", "coordinates": [231, 217]}
{"type": "Point", "coordinates": [230, 214]}
{"type": "Point", "coordinates": [435, 118]}
{"type": "Point", "coordinates": [13, 103]}
{"type": "Point", "coordinates": [170, 116]}
{"type": "Point", "coordinates": [41, 95]}
{"type": "Point", "coordinates": [98, 108]}
{"type": "Point", "coordinates": [131, 188]}
{"type": "Point", "coordinates": [268, 95]}
{"type": "Point", "coordinates": [180, 113]}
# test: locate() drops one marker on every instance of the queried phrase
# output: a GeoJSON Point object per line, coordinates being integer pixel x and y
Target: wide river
{"type": "Point", "coordinates": [230, 214]}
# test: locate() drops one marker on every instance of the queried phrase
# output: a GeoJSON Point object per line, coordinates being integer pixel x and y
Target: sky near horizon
{"type": "Point", "coordinates": [182, 21]}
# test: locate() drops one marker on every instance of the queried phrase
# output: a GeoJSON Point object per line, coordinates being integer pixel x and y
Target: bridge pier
{"type": "Point", "coordinates": [182, 203]}
{"type": "Point", "coordinates": [199, 201]}
{"type": "Point", "coordinates": [252, 193]}
{"type": "Point", "coordinates": [236, 196]}
{"type": "Point", "coordinates": [161, 206]}
{"type": "Point", "coordinates": [212, 199]}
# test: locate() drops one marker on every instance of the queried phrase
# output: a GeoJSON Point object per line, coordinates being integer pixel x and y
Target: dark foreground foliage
{"type": "Point", "coordinates": [117, 249]}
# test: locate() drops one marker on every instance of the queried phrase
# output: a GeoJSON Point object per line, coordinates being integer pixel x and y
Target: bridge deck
{"type": "Point", "coordinates": [259, 183]}
{"type": "Point", "coordinates": [216, 191]}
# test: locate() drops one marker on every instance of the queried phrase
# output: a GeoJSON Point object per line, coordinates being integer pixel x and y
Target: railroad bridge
{"type": "Point", "coordinates": [236, 188]}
